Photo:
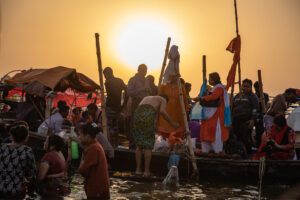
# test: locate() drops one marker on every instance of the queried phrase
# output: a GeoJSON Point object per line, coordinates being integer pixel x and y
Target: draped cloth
{"type": "Point", "coordinates": [173, 65]}
{"type": "Point", "coordinates": [234, 47]}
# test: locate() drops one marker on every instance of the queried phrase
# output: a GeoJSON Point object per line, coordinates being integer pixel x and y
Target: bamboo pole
{"type": "Point", "coordinates": [164, 62]}
{"type": "Point", "coordinates": [261, 92]}
{"type": "Point", "coordinates": [103, 104]}
{"type": "Point", "coordinates": [237, 34]}
{"type": "Point", "coordinates": [204, 67]}
{"type": "Point", "coordinates": [187, 130]}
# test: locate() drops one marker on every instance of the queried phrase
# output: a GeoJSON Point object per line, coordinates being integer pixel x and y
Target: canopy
{"type": "Point", "coordinates": [58, 79]}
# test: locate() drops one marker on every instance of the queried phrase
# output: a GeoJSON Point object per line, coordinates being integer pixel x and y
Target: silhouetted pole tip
{"type": "Point", "coordinates": [97, 34]}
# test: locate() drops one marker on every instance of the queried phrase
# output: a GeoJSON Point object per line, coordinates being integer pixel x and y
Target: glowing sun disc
{"type": "Point", "coordinates": [143, 41]}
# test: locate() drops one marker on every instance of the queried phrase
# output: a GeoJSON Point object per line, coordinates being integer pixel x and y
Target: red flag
{"type": "Point", "coordinates": [234, 47]}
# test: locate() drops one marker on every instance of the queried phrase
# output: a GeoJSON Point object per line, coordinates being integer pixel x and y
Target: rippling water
{"type": "Point", "coordinates": [124, 189]}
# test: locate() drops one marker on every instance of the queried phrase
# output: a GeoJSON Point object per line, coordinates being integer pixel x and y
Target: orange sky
{"type": "Point", "coordinates": [48, 33]}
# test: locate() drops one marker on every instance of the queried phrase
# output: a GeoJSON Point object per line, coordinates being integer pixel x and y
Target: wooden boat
{"type": "Point", "coordinates": [210, 166]}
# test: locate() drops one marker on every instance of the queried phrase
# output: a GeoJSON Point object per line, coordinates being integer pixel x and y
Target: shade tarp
{"type": "Point", "coordinates": [57, 79]}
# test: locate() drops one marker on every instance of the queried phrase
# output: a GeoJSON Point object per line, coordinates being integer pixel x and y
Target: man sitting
{"type": "Point", "coordinates": [280, 142]}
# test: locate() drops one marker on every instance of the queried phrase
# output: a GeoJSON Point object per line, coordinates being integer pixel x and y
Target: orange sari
{"type": "Point", "coordinates": [173, 109]}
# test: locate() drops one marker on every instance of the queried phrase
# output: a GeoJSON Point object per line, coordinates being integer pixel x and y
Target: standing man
{"type": "Point", "coordinates": [259, 124]}
{"type": "Point", "coordinates": [138, 88]}
{"type": "Point", "coordinates": [145, 126]}
{"type": "Point", "coordinates": [114, 87]}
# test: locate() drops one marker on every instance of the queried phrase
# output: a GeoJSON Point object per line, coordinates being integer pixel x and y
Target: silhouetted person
{"type": "Point", "coordinates": [153, 87]}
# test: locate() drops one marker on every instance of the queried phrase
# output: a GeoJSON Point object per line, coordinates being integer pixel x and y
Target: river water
{"type": "Point", "coordinates": [209, 190]}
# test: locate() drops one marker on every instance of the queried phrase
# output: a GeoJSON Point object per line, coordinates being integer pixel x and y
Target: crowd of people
{"type": "Point", "coordinates": [140, 110]}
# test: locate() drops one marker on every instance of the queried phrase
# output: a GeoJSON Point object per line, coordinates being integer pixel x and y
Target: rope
{"type": "Point", "coordinates": [262, 164]}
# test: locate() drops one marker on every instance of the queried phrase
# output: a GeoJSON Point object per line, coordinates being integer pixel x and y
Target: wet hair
{"type": "Point", "coordinates": [182, 81]}
{"type": "Point", "coordinates": [215, 77]}
{"type": "Point", "coordinates": [64, 109]}
{"type": "Point", "coordinates": [61, 104]}
{"type": "Point", "coordinates": [280, 121]}
{"type": "Point", "coordinates": [187, 85]}
{"type": "Point", "coordinates": [57, 142]}
{"type": "Point", "coordinates": [247, 81]}
{"type": "Point", "coordinates": [256, 84]}
{"type": "Point", "coordinates": [165, 96]}
{"type": "Point", "coordinates": [19, 131]}
{"type": "Point", "coordinates": [150, 78]}
{"type": "Point", "coordinates": [141, 66]}
{"type": "Point", "coordinates": [89, 128]}
{"type": "Point", "coordinates": [290, 91]}
{"type": "Point", "coordinates": [92, 106]}
{"type": "Point", "coordinates": [108, 70]}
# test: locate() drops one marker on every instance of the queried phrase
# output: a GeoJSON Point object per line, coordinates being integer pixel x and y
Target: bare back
{"type": "Point", "coordinates": [158, 102]}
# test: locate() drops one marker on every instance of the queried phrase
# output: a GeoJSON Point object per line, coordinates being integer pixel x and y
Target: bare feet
{"type": "Point", "coordinates": [138, 173]}
{"type": "Point", "coordinates": [146, 174]}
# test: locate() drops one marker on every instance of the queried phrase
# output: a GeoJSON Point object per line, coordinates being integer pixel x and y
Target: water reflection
{"type": "Point", "coordinates": [132, 190]}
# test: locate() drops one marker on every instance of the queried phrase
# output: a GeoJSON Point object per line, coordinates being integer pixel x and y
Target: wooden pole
{"type": "Point", "coordinates": [261, 92]}
{"type": "Point", "coordinates": [187, 130]}
{"type": "Point", "coordinates": [103, 105]}
{"type": "Point", "coordinates": [204, 67]}
{"type": "Point", "coordinates": [164, 62]}
{"type": "Point", "coordinates": [237, 34]}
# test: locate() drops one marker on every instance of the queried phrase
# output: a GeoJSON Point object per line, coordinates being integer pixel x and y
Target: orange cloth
{"type": "Point", "coordinates": [173, 139]}
{"type": "Point", "coordinates": [173, 108]}
{"type": "Point", "coordinates": [234, 47]}
{"type": "Point", "coordinates": [95, 171]}
{"type": "Point", "coordinates": [208, 127]}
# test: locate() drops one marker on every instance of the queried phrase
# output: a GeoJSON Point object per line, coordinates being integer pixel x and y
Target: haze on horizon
{"type": "Point", "coordinates": [49, 33]}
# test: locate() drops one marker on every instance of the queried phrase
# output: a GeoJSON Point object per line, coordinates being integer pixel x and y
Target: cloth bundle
{"type": "Point", "coordinates": [173, 65]}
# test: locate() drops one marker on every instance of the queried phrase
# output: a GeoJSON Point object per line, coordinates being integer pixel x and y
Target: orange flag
{"type": "Point", "coordinates": [234, 47]}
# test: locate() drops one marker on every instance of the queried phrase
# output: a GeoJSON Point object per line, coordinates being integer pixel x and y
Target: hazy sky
{"type": "Point", "coordinates": [49, 33]}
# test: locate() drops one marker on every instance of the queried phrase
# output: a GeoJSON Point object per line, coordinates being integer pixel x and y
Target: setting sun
{"type": "Point", "coordinates": [143, 41]}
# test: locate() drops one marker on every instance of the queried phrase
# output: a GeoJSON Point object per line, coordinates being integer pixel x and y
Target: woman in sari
{"type": "Point", "coordinates": [53, 169]}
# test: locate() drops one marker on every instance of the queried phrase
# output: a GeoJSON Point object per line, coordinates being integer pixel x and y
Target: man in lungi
{"type": "Point", "coordinates": [144, 127]}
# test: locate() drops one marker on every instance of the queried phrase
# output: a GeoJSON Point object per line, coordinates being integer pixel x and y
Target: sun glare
{"type": "Point", "coordinates": [143, 41]}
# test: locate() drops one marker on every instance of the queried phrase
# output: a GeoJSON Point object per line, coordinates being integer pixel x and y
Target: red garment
{"type": "Point", "coordinates": [209, 126]}
{"type": "Point", "coordinates": [278, 137]}
{"type": "Point", "coordinates": [95, 171]}
{"type": "Point", "coordinates": [234, 47]}
{"type": "Point", "coordinates": [56, 164]}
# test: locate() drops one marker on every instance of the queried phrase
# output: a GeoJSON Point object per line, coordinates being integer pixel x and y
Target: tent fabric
{"type": "Point", "coordinates": [57, 79]}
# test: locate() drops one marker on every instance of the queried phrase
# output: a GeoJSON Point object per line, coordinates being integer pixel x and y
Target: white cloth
{"type": "Point", "coordinates": [294, 119]}
{"type": "Point", "coordinates": [217, 145]}
{"type": "Point", "coordinates": [54, 122]}
{"type": "Point", "coordinates": [173, 65]}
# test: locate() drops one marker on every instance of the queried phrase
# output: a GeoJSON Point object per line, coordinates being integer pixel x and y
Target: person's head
{"type": "Point", "coordinates": [87, 132]}
{"type": "Point", "coordinates": [256, 86]}
{"type": "Point", "coordinates": [150, 78]}
{"type": "Point", "coordinates": [165, 96]}
{"type": "Point", "coordinates": [85, 114]}
{"type": "Point", "coordinates": [19, 132]}
{"type": "Point", "coordinates": [188, 87]}
{"type": "Point", "coordinates": [108, 72]}
{"type": "Point", "coordinates": [64, 111]}
{"type": "Point", "coordinates": [247, 86]}
{"type": "Point", "coordinates": [54, 143]}
{"type": "Point", "coordinates": [92, 109]}
{"type": "Point", "coordinates": [142, 70]}
{"type": "Point", "coordinates": [279, 122]}
{"type": "Point", "coordinates": [76, 111]}
{"type": "Point", "coordinates": [290, 95]}
{"type": "Point", "coordinates": [61, 104]}
{"type": "Point", "coordinates": [214, 78]}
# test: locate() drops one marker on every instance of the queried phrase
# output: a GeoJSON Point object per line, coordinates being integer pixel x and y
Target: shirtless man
{"type": "Point", "coordinates": [145, 119]}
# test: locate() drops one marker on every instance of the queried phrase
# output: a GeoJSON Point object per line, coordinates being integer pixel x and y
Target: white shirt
{"type": "Point", "coordinates": [54, 122]}
{"type": "Point", "coordinates": [294, 119]}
